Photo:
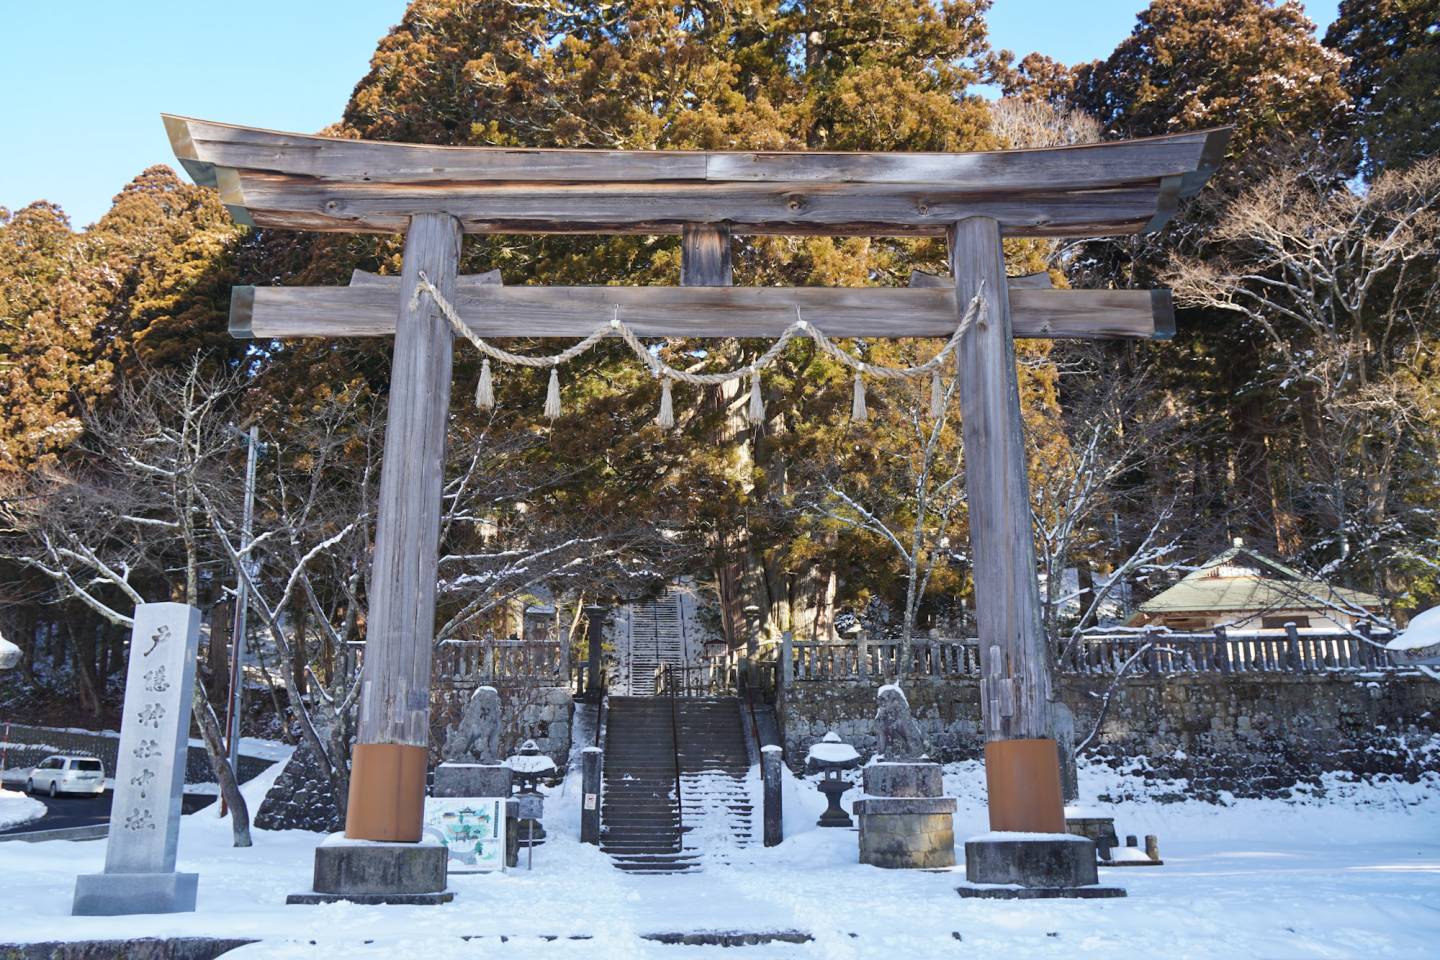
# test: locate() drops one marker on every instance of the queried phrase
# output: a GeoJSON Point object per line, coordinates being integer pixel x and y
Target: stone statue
{"type": "Point", "coordinates": [476, 738]}
{"type": "Point", "coordinates": [900, 738]}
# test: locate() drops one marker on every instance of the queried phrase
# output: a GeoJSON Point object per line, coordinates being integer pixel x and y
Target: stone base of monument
{"type": "Point", "coordinates": [368, 871]}
{"type": "Point", "coordinates": [905, 822]}
{"type": "Point", "coordinates": [472, 780]}
{"type": "Point", "coordinates": [1029, 866]}
{"type": "Point", "coordinates": [118, 894]}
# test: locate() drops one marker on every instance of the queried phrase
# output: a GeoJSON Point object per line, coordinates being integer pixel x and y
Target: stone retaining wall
{"type": "Point", "coordinates": [1250, 734]}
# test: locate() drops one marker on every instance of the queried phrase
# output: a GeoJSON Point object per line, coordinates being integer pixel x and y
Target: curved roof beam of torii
{"type": "Point", "coordinates": [299, 181]}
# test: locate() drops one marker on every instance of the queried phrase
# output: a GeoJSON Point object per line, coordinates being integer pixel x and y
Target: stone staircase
{"type": "Point", "coordinates": [647, 826]}
{"type": "Point", "coordinates": [656, 637]}
{"type": "Point", "coordinates": [714, 771]}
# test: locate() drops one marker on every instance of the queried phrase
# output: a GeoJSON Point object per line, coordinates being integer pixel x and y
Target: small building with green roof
{"type": "Point", "coordinates": [1241, 589]}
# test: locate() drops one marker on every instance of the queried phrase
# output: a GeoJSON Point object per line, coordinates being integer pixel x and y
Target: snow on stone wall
{"type": "Point", "coordinates": [1252, 735]}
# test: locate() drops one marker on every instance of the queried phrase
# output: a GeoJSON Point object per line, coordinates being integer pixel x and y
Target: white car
{"type": "Point", "coordinates": [57, 775]}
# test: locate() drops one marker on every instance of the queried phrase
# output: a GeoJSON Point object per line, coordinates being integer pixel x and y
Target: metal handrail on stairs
{"type": "Point", "coordinates": [674, 744]}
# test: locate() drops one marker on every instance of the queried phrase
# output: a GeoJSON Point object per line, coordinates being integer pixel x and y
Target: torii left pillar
{"type": "Point", "coordinates": [381, 857]}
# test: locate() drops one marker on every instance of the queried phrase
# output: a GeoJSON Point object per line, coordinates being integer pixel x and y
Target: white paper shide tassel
{"type": "Point", "coordinates": [485, 389]}
{"type": "Point", "coordinates": [937, 396]}
{"type": "Point", "coordinates": [665, 419]}
{"type": "Point", "coordinates": [858, 412]}
{"type": "Point", "coordinates": [552, 396]}
{"type": "Point", "coordinates": [756, 412]}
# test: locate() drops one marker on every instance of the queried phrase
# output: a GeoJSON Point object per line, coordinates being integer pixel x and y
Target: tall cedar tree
{"type": "Point", "coordinates": [49, 365]}
{"type": "Point", "coordinates": [1393, 76]}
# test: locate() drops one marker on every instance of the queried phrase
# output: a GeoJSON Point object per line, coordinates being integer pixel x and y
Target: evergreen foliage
{"type": "Point", "coordinates": [1393, 77]}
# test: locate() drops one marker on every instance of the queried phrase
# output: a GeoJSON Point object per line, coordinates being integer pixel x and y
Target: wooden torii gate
{"type": "Point", "coordinates": [436, 194]}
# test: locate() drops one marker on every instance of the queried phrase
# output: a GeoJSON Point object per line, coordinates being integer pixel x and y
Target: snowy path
{"type": "Point", "coordinates": [1353, 877]}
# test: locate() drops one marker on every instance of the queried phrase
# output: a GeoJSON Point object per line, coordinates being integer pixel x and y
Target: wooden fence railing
{"type": "Point", "coordinates": [1293, 651]}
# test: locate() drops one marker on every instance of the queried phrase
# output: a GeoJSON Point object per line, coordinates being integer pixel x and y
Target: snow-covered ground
{"type": "Point", "coordinates": [16, 808]}
{"type": "Point", "coordinates": [1353, 874]}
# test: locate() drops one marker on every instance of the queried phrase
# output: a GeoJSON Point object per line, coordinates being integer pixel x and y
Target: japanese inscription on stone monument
{"type": "Point", "coordinates": [154, 737]}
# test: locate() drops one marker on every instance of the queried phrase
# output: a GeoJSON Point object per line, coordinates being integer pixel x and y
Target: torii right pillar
{"type": "Point", "coordinates": [1022, 764]}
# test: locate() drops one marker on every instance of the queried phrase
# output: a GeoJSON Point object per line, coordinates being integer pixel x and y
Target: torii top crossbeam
{"type": "Point", "coordinates": [297, 181]}
{"type": "Point", "coordinates": [435, 194]}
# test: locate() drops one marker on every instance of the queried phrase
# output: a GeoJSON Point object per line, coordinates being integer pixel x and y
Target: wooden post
{"type": "Point", "coordinates": [387, 777]}
{"type": "Point", "coordinates": [1022, 768]}
{"type": "Point", "coordinates": [705, 255]}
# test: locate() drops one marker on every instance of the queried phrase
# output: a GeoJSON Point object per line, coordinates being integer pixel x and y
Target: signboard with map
{"type": "Point", "coordinates": [473, 828]}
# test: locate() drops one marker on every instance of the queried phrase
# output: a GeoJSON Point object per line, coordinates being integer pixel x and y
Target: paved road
{"type": "Point", "coordinates": [87, 811]}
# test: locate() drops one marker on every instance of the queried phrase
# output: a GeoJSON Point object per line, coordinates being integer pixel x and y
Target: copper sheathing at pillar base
{"type": "Point", "coordinates": [387, 792]}
{"type": "Point", "coordinates": [1023, 780]}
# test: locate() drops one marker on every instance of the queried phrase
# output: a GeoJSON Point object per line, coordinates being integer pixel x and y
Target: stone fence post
{"type": "Point", "coordinates": [771, 766]}
{"type": "Point", "coordinates": [595, 635]}
{"type": "Point", "coordinates": [787, 667]}
{"type": "Point", "coordinates": [592, 760]}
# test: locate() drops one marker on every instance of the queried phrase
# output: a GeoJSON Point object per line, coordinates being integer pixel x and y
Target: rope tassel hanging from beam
{"type": "Point", "coordinates": [552, 396]}
{"type": "Point", "coordinates": [756, 412]}
{"type": "Point", "coordinates": [665, 419]}
{"type": "Point", "coordinates": [858, 412]}
{"type": "Point", "coordinates": [485, 388]}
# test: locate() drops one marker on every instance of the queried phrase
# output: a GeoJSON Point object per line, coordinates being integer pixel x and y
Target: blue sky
{"type": "Point", "coordinates": [82, 82]}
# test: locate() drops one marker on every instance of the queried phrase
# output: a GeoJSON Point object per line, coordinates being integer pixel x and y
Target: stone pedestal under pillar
{"type": "Point", "coordinates": [905, 822]}
{"type": "Point", "coordinates": [368, 871]}
{"type": "Point", "coordinates": [1026, 866]}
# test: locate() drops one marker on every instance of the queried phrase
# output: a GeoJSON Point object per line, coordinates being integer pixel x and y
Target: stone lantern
{"type": "Point", "coordinates": [831, 756]}
{"type": "Point", "coordinates": [529, 767]}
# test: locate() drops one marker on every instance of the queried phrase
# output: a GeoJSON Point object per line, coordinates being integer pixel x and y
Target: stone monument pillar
{"type": "Point", "coordinates": [906, 821]}
{"type": "Point", "coordinates": [140, 872]}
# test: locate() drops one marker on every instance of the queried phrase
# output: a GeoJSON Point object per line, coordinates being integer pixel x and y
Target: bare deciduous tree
{"type": "Point", "coordinates": [1345, 287]}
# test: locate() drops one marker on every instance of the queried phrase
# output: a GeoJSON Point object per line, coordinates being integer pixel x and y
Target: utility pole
{"type": "Point", "coordinates": [238, 626]}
